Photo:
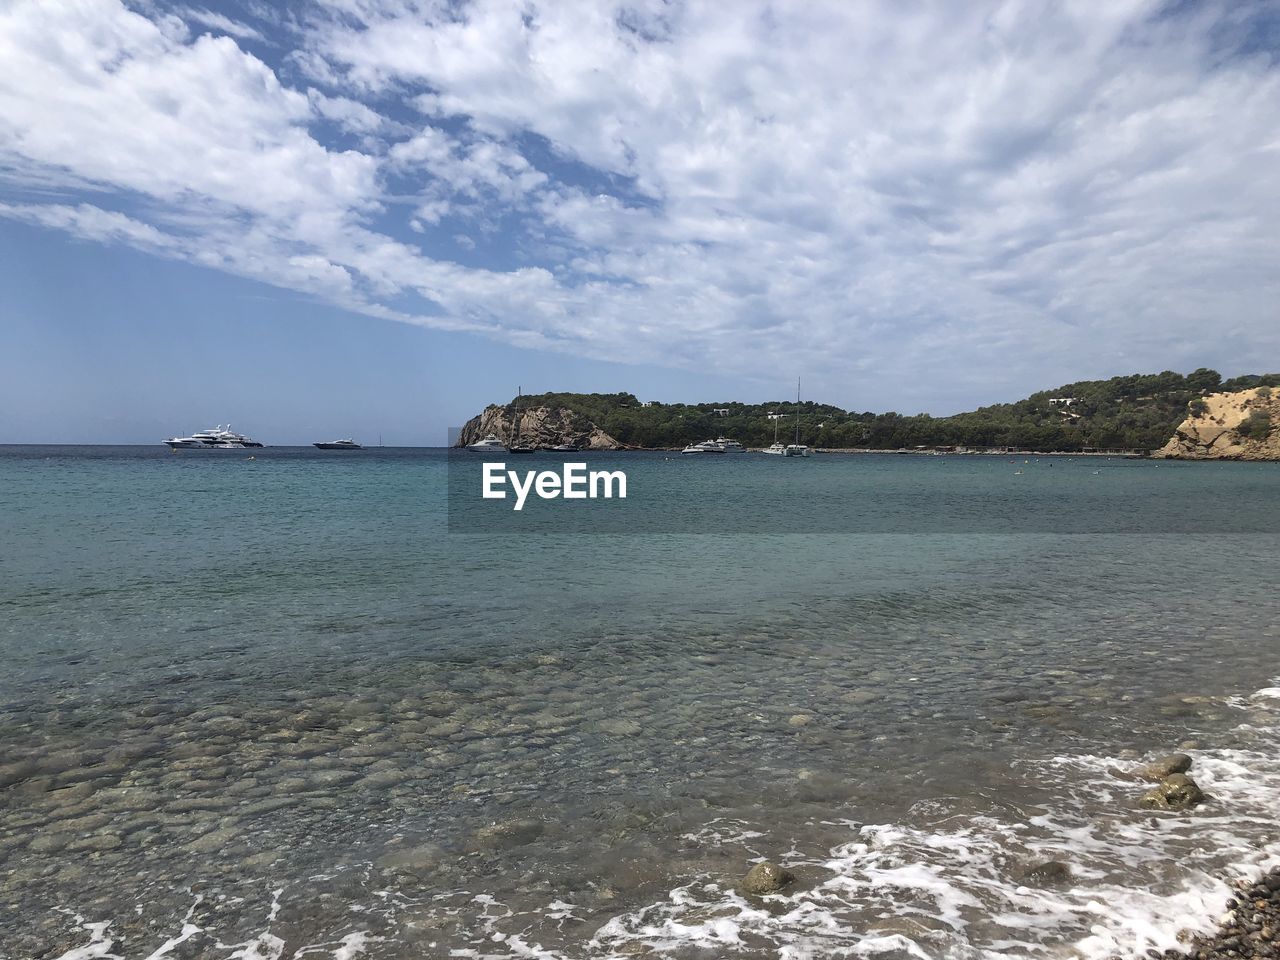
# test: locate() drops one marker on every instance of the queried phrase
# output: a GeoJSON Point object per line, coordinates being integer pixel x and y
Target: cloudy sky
{"type": "Point", "coordinates": [376, 215]}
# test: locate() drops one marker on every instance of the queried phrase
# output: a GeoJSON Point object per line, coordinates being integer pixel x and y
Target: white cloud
{"type": "Point", "coordinates": [222, 24]}
{"type": "Point", "coordinates": [91, 223]}
{"type": "Point", "coordinates": [351, 115]}
{"type": "Point", "coordinates": [107, 95]}
{"type": "Point", "coordinates": [925, 197]}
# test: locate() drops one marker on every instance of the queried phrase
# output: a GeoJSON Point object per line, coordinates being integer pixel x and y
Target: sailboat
{"type": "Point", "coordinates": [797, 449]}
{"type": "Point", "coordinates": [777, 449]}
{"type": "Point", "coordinates": [516, 446]}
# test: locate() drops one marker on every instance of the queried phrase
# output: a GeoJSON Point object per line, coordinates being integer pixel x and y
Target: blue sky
{"type": "Point", "coordinates": [372, 216]}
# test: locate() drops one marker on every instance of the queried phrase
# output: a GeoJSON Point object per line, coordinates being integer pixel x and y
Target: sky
{"type": "Point", "coordinates": [373, 217]}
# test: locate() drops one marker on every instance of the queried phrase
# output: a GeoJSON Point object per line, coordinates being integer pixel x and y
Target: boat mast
{"type": "Point", "coordinates": [515, 420]}
{"type": "Point", "coordinates": [797, 411]}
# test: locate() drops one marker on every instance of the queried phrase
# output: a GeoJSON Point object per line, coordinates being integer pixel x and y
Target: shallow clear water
{"type": "Point", "coordinates": [273, 707]}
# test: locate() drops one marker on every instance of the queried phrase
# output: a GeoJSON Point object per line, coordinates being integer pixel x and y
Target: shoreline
{"type": "Point", "coordinates": [1249, 928]}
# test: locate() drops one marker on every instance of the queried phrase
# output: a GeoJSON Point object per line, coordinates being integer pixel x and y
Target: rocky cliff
{"type": "Point", "coordinates": [539, 426]}
{"type": "Point", "coordinates": [1244, 425]}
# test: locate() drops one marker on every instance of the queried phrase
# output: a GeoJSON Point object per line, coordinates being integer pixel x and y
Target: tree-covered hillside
{"type": "Point", "coordinates": [1133, 412]}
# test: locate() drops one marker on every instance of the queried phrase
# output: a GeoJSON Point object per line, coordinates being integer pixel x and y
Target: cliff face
{"type": "Point", "coordinates": [539, 426]}
{"type": "Point", "coordinates": [1214, 432]}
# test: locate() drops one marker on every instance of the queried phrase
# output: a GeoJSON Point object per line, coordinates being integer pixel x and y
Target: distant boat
{"type": "Point", "coordinates": [347, 444]}
{"type": "Point", "coordinates": [564, 448]}
{"type": "Point", "coordinates": [730, 446]}
{"type": "Point", "coordinates": [489, 444]}
{"type": "Point", "coordinates": [706, 446]}
{"type": "Point", "coordinates": [776, 449]}
{"type": "Point", "coordinates": [218, 438]}
{"type": "Point", "coordinates": [516, 445]}
{"type": "Point", "coordinates": [797, 449]}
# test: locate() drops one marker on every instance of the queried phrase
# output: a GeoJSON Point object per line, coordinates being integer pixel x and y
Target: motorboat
{"type": "Point", "coordinates": [564, 448]}
{"type": "Point", "coordinates": [347, 444]}
{"type": "Point", "coordinates": [490, 444]}
{"type": "Point", "coordinates": [217, 438]}
{"type": "Point", "coordinates": [730, 446]}
{"type": "Point", "coordinates": [706, 446]}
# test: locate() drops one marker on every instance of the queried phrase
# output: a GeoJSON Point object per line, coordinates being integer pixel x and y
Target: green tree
{"type": "Point", "coordinates": [1256, 426]}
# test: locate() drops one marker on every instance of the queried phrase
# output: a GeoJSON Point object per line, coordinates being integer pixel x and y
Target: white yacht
{"type": "Point", "coordinates": [706, 446]}
{"type": "Point", "coordinates": [730, 446]}
{"type": "Point", "coordinates": [490, 444]}
{"type": "Point", "coordinates": [218, 438]}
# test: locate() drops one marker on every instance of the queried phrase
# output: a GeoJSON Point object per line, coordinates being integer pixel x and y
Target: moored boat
{"type": "Point", "coordinates": [796, 449]}
{"type": "Point", "coordinates": [706, 446]}
{"type": "Point", "coordinates": [490, 444]}
{"type": "Point", "coordinates": [516, 445]}
{"type": "Point", "coordinates": [217, 438]}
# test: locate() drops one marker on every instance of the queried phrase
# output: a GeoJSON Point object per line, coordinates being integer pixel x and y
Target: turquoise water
{"type": "Point", "coordinates": [290, 705]}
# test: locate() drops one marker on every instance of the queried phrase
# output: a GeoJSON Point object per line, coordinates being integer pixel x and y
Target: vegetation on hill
{"type": "Point", "coordinates": [1133, 412]}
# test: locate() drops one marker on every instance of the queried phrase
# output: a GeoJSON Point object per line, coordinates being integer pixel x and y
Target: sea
{"type": "Point", "coordinates": [286, 703]}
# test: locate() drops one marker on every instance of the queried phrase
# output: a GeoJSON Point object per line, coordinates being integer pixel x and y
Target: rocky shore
{"type": "Point", "coordinates": [1249, 928]}
{"type": "Point", "coordinates": [1240, 425]}
{"type": "Point", "coordinates": [536, 426]}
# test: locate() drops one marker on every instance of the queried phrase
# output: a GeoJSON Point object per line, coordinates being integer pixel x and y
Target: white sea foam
{"type": "Point", "coordinates": [188, 931]}
{"type": "Point", "coordinates": [1138, 880]}
{"type": "Point", "coordinates": [99, 944]}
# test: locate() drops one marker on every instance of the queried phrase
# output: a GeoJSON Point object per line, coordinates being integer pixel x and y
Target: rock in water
{"type": "Point", "coordinates": [508, 834]}
{"type": "Point", "coordinates": [1175, 792]}
{"type": "Point", "coordinates": [1158, 770]}
{"type": "Point", "coordinates": [415, 861]}
{"type": "Point", "coordinates": [766, 878]}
